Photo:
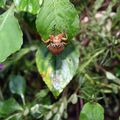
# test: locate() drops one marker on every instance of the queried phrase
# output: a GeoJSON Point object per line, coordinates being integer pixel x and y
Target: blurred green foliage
{"type": "Point", "coordinates": [97, 79]}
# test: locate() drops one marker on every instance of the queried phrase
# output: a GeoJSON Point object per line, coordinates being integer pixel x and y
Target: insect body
{"type": "Point", "coordinates": [57, 43]}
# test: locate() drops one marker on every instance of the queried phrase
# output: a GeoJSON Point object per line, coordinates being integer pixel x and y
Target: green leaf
{"type": "Point", "coordinates": [97, 4]}
{"type": "Point", "coordinates": [17, 116]}
{"type": "Point", "coordinates": [57, 16]}
{"type": "Point", "coordinates": [8, 107]}
{"type": "Point", "coordinates": [73, 98]}
{"type": "Point", "coordinates": [57, 71]}
{"type": "Point", "coordinates": [92, 111]}
{"type": "Point", "coordinates": [110, 76]}
{"type": "Point", "coordinates": [2, 3]}
{"type": "Point", "coordinates": [117, 71]}
{"type": "Point", "coordinates": [17, 85]}
{"type": "Point", "coordinates": [116, 17]}
{"type": "Point", "coordinates": [31, 6]}
{"type": "Point", "coordinates": [39, 110]}
{"type": "Point", "coordinates": [10, 34]}
{"type": "Point", "coordinates": [42, 93]}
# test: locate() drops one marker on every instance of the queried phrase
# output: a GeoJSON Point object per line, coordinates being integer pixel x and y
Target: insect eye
{"type": "Point", "coordinates": [52, 45]}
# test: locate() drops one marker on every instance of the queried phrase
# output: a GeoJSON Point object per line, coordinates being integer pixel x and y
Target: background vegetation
{"type": "Point", "coordinates": [93, 92]}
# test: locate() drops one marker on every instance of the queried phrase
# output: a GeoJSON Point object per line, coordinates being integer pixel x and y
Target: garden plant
{"type": "Point", "coordinates": [59, 60]}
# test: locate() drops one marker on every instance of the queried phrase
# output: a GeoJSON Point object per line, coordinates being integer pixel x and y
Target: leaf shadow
{"type": "Point", "coordinates": [58, 59]}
